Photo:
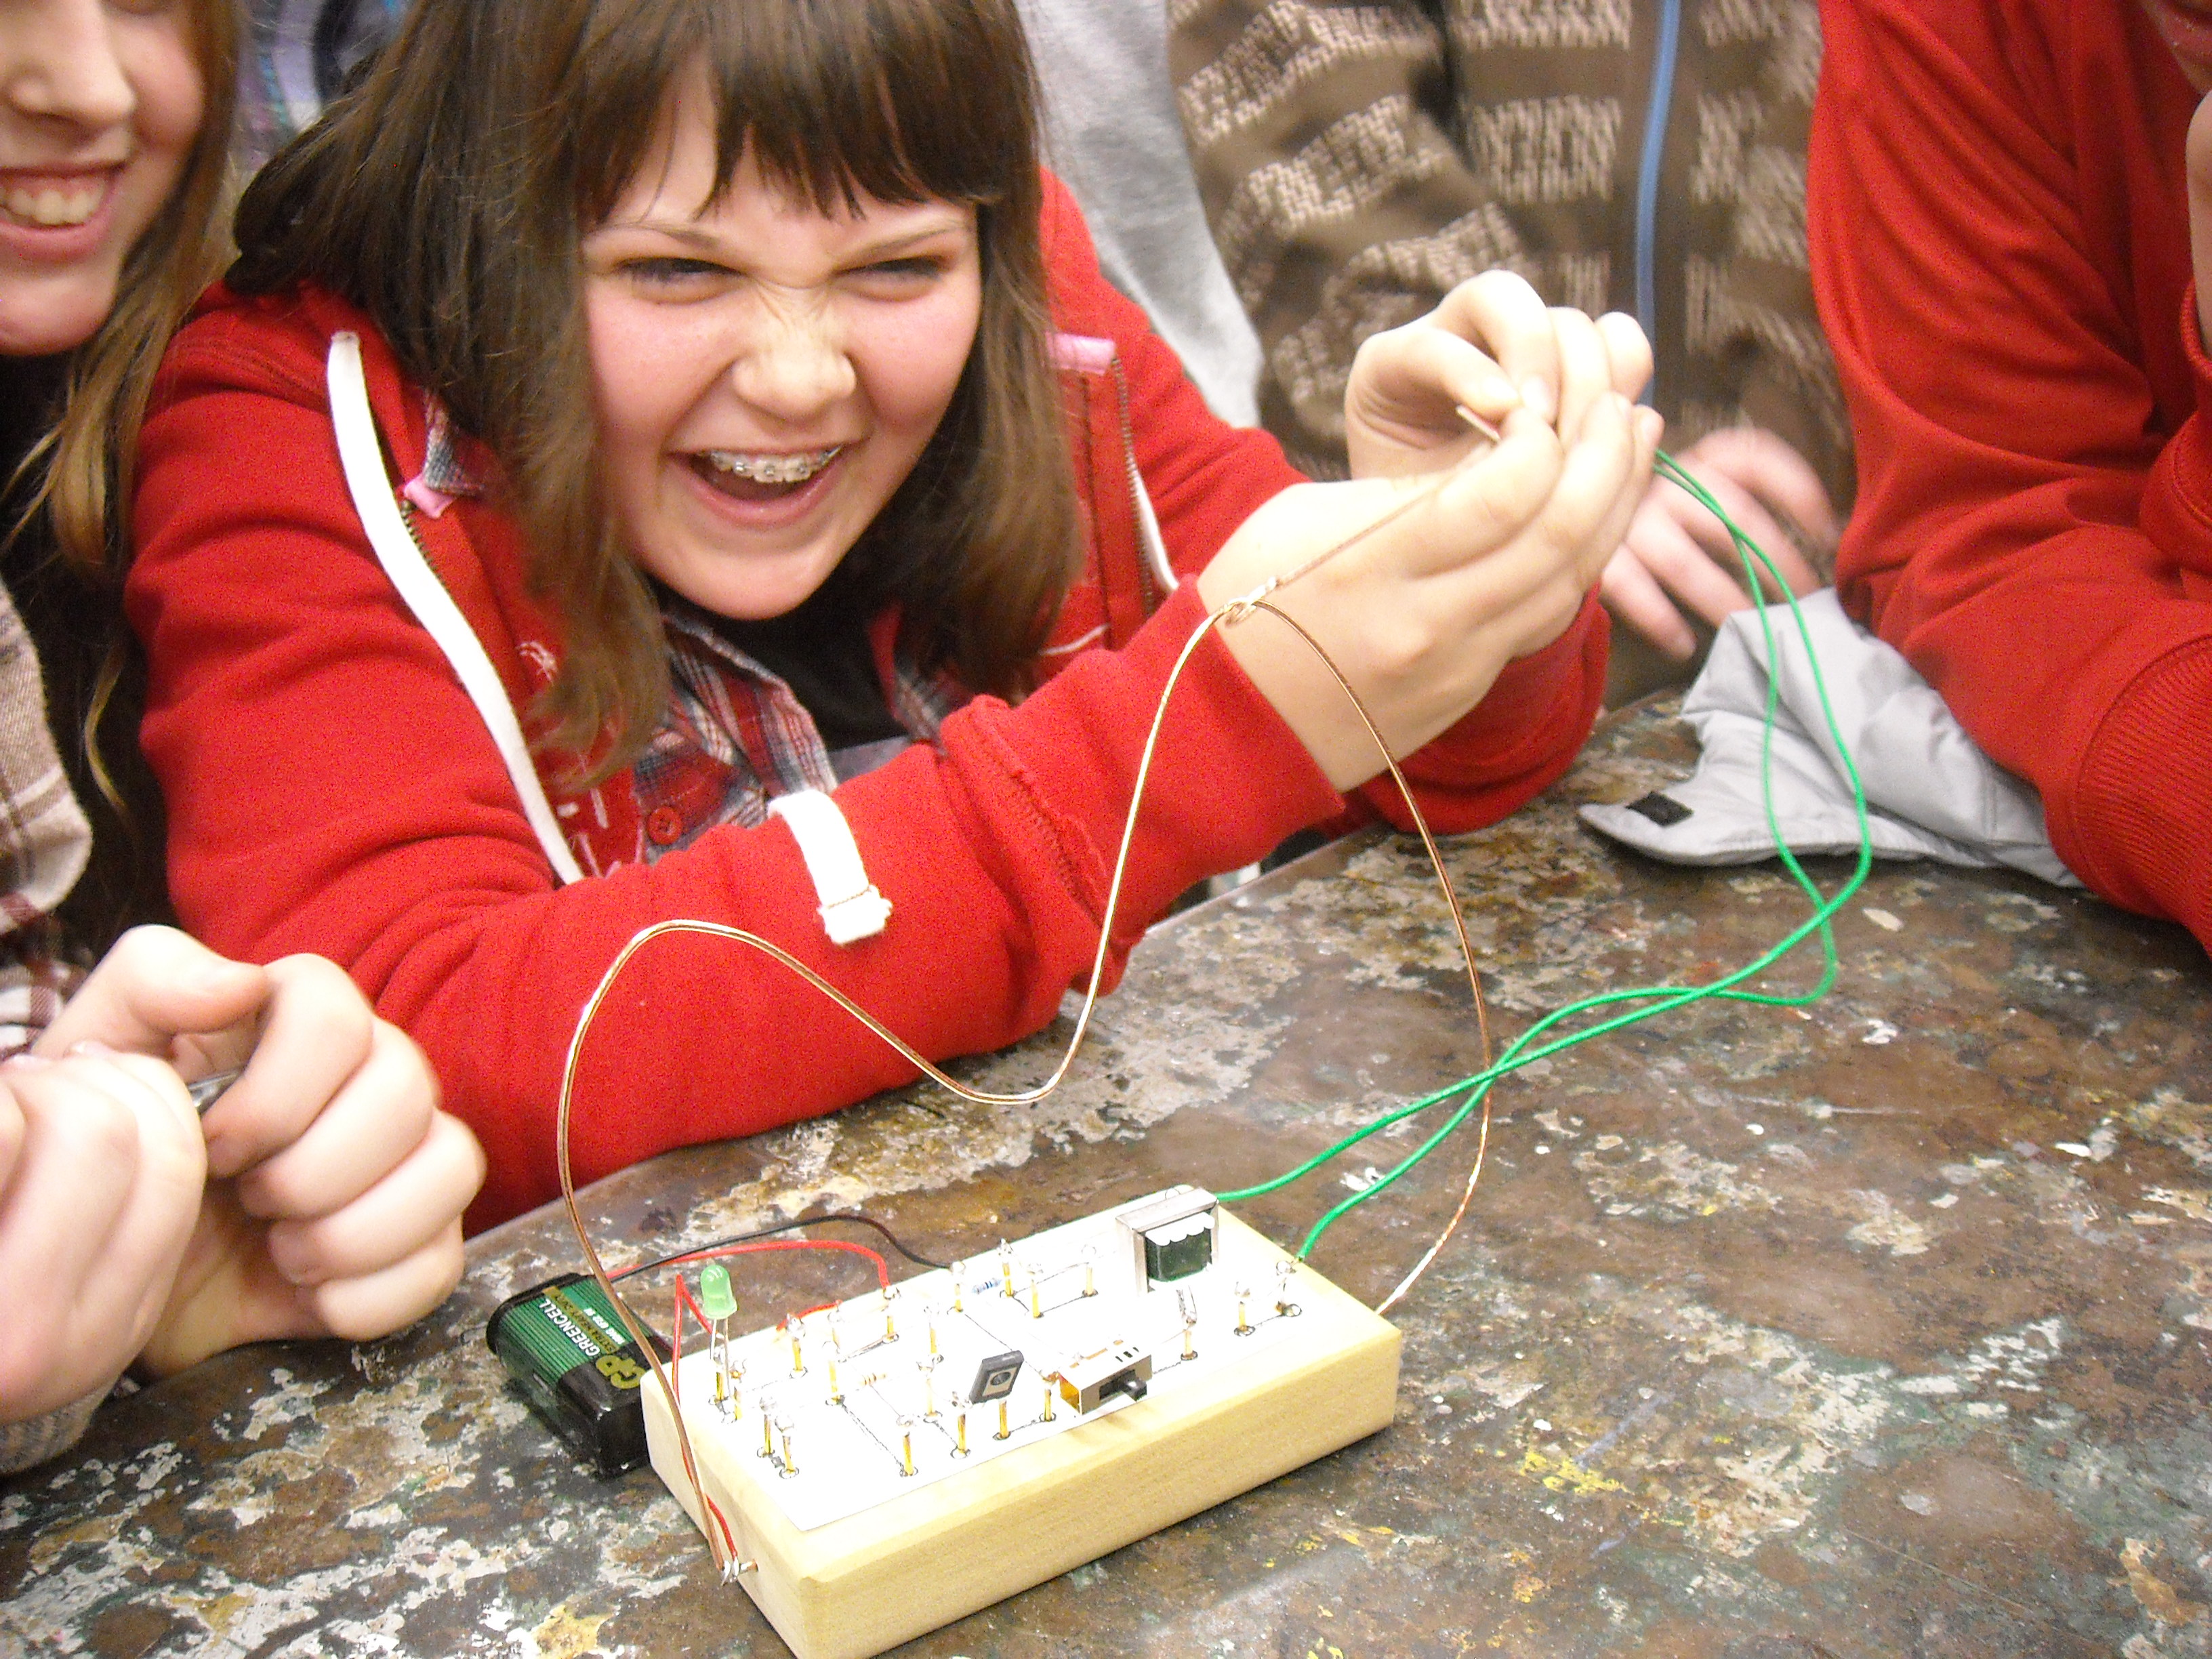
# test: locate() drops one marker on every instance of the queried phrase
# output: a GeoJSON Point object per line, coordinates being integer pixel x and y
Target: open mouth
{"type": "Point", "coordinates": [761, 477]}
{"type": "Point", "coordinates": [53, 201]}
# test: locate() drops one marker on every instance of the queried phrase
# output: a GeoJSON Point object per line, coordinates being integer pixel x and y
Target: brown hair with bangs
{"type": "Point", "coordinates": [449, 195]}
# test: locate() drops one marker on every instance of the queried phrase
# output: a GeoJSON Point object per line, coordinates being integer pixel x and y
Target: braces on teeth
{"type": "Point", "coordinates": [772, 469]}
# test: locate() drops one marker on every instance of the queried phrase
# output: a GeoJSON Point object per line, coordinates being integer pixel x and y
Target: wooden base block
{"type": "Point", "coordinates": [856, 1586]}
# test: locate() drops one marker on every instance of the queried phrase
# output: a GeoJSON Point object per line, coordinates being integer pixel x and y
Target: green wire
{"type": "Point", "coordinates": [1664, 998]}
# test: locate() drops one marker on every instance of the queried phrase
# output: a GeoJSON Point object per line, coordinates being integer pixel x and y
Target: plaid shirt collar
{"type": "Point", "coordinates": [735, 736]}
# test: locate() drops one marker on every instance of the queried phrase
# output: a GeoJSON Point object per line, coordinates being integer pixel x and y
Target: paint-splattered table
{"type": "Point", "coordinates": [1879, 1328]}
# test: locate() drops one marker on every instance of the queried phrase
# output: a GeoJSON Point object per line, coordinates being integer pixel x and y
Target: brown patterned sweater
{"type": "Point", "coordinates": [1357, 160]}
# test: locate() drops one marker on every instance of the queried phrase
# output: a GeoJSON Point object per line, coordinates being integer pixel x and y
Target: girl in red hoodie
{"type": "Point", "coordinates": [820, 531]}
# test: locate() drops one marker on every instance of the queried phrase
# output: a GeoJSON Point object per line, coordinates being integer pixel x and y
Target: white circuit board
{"type": "Point", "coordinates": [876, 1397]}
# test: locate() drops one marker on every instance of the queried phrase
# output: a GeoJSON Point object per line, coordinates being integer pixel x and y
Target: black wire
{"type": "Point", "coordinates": [890, 1238]}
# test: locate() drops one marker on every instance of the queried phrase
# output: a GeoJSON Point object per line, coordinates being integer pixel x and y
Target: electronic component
{"type": "Point", "coordinates": [880, 1467]}
{"type": "Point", "coordinates": [995, 1377]}
{"type": "Point", "coordinates": [1089, 1381]}
{"type": "Point", "coordinates": [566, 1350]}
{"type": "Point", "coordinates": [1171, 1234]}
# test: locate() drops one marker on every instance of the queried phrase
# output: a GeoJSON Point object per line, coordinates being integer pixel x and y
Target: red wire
{"type": "Point", "coordinates": [682, 1299]}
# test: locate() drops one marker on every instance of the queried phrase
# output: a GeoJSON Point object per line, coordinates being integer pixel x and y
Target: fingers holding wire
{"type": "Point", "coordinates": [418, 1200]}
{"type": "Point", "coordinates": [1487, 348]}
{"type": "Point", "coordinates": [366, 1117]}
{"type": "Point", "coordinates": [1586, 372]}
{"type": "Point", "coordinates": [1628, 350]}
{"type": "Point", "coordinates": [1533, 586]}
{"type": "Point", "coordinates": [1402, 409]}
{"type": "Point", "coordinates": [1509, 320]}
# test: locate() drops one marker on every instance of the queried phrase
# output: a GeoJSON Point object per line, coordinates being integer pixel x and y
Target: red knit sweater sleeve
{"type": "Point", "coordinates": [1205, 478]}
{"type": "Point", "coordinates": [333, 790]}
{"type": "Point", "coordinates": [1999, 246]}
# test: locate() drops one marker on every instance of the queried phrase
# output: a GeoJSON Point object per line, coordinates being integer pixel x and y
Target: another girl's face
{"type": "Point", "coordinates": [99, 105]}
{"type": "Point", "coordinates": [766, 375]}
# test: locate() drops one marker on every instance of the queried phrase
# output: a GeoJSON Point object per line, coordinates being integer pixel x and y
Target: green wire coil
{"type": "Point", "coordinates": [1662, 999]}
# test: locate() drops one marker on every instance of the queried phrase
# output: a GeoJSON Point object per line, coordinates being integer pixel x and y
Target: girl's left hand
{"type": "Point", "coordinates": [336, 1185]}
{"type": "Point", "coordinates": [1493, 346]}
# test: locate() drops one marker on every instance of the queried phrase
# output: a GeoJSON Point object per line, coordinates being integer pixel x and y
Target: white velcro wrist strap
{"type": "Point", "coordinates": [852, 909]}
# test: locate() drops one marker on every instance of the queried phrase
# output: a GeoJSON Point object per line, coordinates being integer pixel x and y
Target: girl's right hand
{"type": "Point", "coordinates": [101, 1167]}
{"type": "Point", "coordinates": [1490, 563]}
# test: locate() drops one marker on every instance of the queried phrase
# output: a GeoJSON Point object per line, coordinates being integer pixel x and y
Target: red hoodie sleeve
{"type": "Point", "coordinates": [1205, 478]}
{"type": "Point", "coordinates": [2000, 244]}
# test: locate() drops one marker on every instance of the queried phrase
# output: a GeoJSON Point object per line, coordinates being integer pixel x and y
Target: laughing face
{"type": "Point", "coordinates": [766, 375]}
{"type": "Point", "coordinates": [99, 104]}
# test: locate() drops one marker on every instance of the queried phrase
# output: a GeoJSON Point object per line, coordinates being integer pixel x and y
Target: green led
{"type": "Point", "coordinates": [715, 1294]}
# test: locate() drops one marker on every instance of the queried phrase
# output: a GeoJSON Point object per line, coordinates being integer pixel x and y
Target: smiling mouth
{"type": "Point", "coordinates": [772, 469]}
{"type": "Point", "coordinates": [54, 203]}
{"type": "Point", "coordinates": [747, 476]}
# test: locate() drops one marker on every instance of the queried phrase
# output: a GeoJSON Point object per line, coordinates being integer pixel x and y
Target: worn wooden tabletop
{"type": "Point", "coordinates": [1877, 1329]}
